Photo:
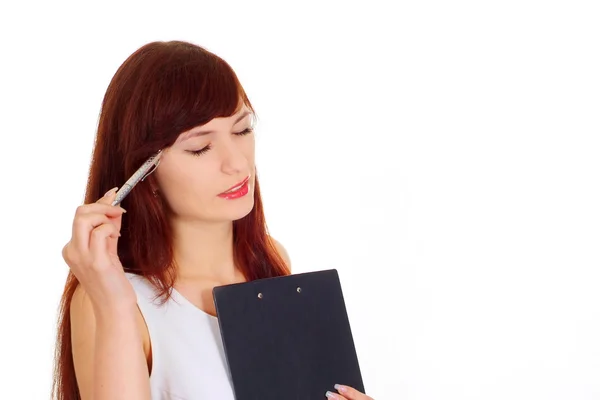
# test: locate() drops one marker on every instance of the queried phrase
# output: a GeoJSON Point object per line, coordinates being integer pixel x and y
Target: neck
{"type": "Point", "coordinates": [203, 249]}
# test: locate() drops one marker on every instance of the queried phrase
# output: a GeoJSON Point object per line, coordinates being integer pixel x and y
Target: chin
{"type": "Point", "coordinates": [238, 209]}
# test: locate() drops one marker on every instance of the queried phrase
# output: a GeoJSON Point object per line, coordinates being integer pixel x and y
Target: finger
{"type": "Point", "coordinates": [83, 226]}
{"type": "Point", "coordinates": [114, 213]}
{"type": "Point", "coordinates": [99, 244]}
{"type": "Point", "coordinates": [99, 208]}
{"type": "Point", "coordinates": [350, 393]}
{"type": "Point", "coordinates": [334, 396]}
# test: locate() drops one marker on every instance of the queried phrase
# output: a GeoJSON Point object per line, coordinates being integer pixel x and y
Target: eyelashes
{"type": "Point", "coordinates": [207, 148]}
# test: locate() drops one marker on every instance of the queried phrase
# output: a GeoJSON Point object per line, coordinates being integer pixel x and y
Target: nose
{"type": "Point", "coordinates": [233, 158]}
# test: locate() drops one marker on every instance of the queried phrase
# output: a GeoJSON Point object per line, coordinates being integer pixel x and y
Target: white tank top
{"type": "Point", "coordinates": [188, 362]}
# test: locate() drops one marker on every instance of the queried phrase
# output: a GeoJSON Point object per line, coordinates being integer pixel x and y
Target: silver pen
{"type": "Point", "coordinates": [146, 169]}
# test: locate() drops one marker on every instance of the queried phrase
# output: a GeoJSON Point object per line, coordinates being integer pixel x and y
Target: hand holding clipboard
{"type": "Point", "coordinates": [347, 393]}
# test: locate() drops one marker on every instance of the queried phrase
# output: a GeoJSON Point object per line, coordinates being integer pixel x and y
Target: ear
{"type": "Point", "coordinates": [153, 185]}
{"type": "Point", "coordinates": [154, 190]}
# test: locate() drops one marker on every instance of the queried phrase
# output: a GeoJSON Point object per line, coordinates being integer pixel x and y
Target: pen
{"type": "Point", "coordinates": [146, 169]}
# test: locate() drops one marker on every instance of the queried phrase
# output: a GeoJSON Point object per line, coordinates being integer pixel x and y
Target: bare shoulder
{"type": "Point", "coordinates": [282, 252]}
{"type": "Point", "coordinates": [81, 312]}
{"type": "Point", "coordinates": [83, 331]}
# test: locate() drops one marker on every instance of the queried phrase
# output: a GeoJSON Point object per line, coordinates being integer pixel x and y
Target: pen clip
{"type": "Point", "coordinates": [153, 167]}
{"type": "Point", "coordinates": [151, 171]}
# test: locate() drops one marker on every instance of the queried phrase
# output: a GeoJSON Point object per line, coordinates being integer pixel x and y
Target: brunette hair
{"type": "Point", "coordinates": [160, 91]}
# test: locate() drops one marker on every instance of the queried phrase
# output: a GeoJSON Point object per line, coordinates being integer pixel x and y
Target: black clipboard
{"type": "Point", "coordinates": [287, 337]}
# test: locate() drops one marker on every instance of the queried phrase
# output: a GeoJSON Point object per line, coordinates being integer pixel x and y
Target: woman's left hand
{"type": "Point", "coordinates": [347, 393]}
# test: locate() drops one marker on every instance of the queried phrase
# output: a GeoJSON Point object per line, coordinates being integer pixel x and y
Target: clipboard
{"type": "Point", "coordinates": [287, 337]}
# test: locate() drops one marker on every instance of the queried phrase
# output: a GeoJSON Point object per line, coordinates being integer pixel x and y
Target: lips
{"type": "Point", "coordinates": [237, 186]}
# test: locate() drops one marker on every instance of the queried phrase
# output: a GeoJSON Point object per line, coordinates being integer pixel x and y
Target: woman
{"type": "Point", "coordinates": [137, 307]}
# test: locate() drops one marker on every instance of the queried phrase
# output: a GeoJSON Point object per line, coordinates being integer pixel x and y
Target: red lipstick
{"type": "Point", "coordinates": [236, 191]}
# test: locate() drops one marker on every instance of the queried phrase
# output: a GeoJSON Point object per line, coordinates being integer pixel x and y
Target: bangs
{"type": "Point", "coordinates": [192, 89]}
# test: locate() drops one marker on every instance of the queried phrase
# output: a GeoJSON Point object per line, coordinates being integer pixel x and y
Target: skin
{"type": "Point", "coordinates": [111, 344]}
{"type": "Point", "coordinates": [346, 393]}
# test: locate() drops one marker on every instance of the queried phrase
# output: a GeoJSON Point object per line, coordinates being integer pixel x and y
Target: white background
{"type": "Point", "coordinates": [443, 156]}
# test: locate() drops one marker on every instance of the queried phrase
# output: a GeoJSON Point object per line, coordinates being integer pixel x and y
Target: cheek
{"type": "Point", "coordinates": [192, 183]}
{"type": "Point", "coordinates": [189, 194]}
{"type": "Point", "coordinates": [182, 183]}
{"type": "Point", "coordinates": [248, 149]}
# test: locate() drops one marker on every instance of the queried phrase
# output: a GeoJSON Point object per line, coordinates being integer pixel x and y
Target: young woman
{"type": "Point", "coordinates": [137, 319]}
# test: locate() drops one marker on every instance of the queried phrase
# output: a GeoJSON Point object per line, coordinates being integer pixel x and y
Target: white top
{"type": "Point", "coordinates": [188, 362]}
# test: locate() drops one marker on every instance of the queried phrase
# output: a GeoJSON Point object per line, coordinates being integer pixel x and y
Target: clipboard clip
{"type": "Point", "coordinates": [298, 289]}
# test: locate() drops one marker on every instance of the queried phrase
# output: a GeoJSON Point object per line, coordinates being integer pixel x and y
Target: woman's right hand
{"type": "Point", "coordinates": [92, 254]}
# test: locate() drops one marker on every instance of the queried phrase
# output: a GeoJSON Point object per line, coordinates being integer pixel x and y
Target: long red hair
{"type": "Point", "coordinates": [160, 91]}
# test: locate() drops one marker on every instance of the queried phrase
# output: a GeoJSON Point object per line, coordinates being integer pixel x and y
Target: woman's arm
{"type": "Point", "coordinates": [108, 351]}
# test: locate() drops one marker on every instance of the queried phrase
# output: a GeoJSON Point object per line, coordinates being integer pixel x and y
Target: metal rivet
{"type": "Point", "coordinates": [298, 290]}
{"type": "Point", "coordinates": [260, 295]}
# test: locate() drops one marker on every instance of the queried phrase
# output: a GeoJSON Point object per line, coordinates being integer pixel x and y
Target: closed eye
{"type": "Point", "coordinates": [244, 132]}
{"type": "Point", "coordinates": [207, 148]}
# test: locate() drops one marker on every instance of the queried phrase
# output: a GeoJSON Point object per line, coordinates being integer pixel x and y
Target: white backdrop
{"type": "Point", "coordinates": [443, 156]}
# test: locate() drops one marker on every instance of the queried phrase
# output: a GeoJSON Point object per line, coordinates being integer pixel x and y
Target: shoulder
{"type": "Point", "coordinates": [83, 326]}
{"type": "Point", "coordinates": [83, 332]}
{"type": "Point", "coordinates": [282, 252]}
{"type": "Point", "coordinates": [81, 310]}
{"type": "Point", "coordinates": [82, 315]}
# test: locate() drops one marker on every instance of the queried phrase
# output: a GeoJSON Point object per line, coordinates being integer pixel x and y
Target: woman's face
{"type": "Point", "coordinates": [205, 162]}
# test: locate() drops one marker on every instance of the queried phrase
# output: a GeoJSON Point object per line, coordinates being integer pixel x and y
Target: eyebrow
{"type": "Point", "coordinates": [202, 133]}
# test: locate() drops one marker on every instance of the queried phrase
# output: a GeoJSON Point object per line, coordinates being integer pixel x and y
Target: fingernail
{"type": "Point", "coordinates": [111, 191]}
{"type": "Point", "coordinates": [330, 395]}
{"type": "Point", "coordinates": [339, 388]}
{"type": "Point", "coordinates": [124, 210]}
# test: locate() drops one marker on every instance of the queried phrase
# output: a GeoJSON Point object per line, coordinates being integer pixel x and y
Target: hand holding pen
{"type": "Point", "coordinates": [91, 253]}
